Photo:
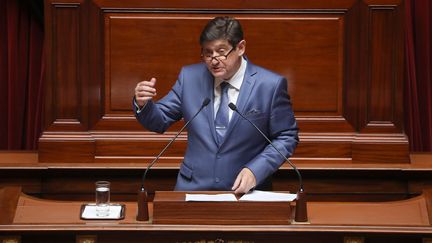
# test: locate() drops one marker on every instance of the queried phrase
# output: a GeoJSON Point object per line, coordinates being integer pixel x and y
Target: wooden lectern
{"type": "Point", "coordinates": [171, 208]}
{"type": "Point", "coordinates": [34, 219]}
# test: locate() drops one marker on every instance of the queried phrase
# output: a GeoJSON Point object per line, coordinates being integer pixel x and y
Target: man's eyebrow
{"type": "Point", "coordinates": [220, 46]}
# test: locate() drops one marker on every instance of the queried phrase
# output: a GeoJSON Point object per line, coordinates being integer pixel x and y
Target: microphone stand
{"type": "Point", "coordinates": [143, 214]}
{"type": "Point", "coordinates": [301, 201]}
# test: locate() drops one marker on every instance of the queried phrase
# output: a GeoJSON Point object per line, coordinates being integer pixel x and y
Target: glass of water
{"type": "Point", "coordinates": [102, 198]}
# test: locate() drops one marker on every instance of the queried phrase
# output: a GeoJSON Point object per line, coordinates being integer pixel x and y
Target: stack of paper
{"type": "Point", "coordinates": [259, 196]}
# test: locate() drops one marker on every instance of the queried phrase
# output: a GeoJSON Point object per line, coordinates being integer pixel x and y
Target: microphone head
{"type": "Point", "coordinates": [206, 102]}
{"type": "Point", "coordinates": [232, 106]}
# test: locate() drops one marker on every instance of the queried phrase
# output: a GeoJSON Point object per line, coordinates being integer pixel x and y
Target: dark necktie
{"type": "Point", "coordinates": [222, 119]}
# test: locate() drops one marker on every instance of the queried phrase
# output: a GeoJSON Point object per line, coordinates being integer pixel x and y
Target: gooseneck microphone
{"type": "Point", "coordinates": [142, 194]}
{"type": "Point", "coordinates": [234, 108]}
{"type": "Point", "coordinates": [301, 209]}
{"type": "Point", "coordinates": [204, 104]}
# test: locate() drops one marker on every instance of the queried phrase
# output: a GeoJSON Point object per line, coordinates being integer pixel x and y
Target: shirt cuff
{"type": "Point", "coordinates": [138, 109]}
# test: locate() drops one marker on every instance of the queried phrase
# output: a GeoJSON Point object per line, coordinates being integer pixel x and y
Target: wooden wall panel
{"type": "Point", "coordinates": [381, 75]}
{"type": "Point", "coordinates": [141, 46]}
{"type": "Point", "coordinates": [384, 90]}
{"type": "Point", "coordinates": [66, 89]}
{"type": "Point", "coordinates": [343, 60]}
{"type": "Point", "coordinates": [65, 105]}
{"type": "Point", "coordinates": [67, 151]}
{"type": "Point", "coordinates": [307, 50]}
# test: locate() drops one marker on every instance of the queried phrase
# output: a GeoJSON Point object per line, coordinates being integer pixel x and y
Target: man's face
{"type": "Point", "coordinates": [221, 58]}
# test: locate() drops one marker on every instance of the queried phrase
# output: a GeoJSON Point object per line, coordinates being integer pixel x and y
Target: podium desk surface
{"type": "Point", "coordinates": [407, 216]}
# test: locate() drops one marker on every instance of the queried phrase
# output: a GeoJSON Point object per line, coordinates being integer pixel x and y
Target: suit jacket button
{"type": "Point", "coordinates": [217, 179]}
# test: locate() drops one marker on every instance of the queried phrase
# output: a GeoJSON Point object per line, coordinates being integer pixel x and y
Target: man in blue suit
{"type": "Point", "coordinates": [224, 151]}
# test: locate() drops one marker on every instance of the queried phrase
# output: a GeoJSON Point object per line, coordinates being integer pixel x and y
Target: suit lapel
{"type": "Point", "coordinates": [244, 95]}
{"type": "Point", "coordinates": [209, 88]}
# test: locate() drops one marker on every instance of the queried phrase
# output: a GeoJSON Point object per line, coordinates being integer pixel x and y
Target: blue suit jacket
{"type": "Point", "coordinates": [263, 98]}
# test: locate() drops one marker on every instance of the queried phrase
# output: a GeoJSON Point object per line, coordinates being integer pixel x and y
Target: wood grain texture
{"type": "Point", "coordinates": [308, 51]}
{"type": "Point", "coordinates": [428, 197]}
{"type": "Point", "coordinates": [65, 86]}
{"type": "Point", "coordinates": [171, 208]}
{"type": "Point", "coordinates": [8, 203]}
{"type": "Point", "coordinates": [407, 216]}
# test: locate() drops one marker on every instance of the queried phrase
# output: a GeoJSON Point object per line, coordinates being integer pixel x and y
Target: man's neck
{"type": "Point", "coordinates": [237, 67]}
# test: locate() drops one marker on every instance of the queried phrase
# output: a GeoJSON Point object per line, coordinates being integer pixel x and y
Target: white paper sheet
{"type": "Point", "coordinates": [90, 212]}
{"type": "Point", "coordinates": [264, 196]}
{"type": "Point", "coordinates": [225, 197]}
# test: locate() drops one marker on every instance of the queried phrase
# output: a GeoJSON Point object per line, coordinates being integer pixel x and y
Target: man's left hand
{"type": "Point", "coordinates": [244, 182]}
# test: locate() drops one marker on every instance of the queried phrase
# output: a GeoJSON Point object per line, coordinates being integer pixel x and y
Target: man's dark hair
{"type": "Point", "coordinates": [225, 28]}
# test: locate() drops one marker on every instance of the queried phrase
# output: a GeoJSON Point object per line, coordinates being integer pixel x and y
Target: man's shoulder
{"type": "Point", "coordinates": [264, 72]}
{"type": "Point", "coordinates": [197, 67]}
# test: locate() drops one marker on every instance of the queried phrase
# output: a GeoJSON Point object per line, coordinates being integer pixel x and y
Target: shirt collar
{"type": "Point", "coordinates": [237, 79]}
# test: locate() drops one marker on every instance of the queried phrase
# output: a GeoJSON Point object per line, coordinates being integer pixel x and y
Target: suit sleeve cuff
{"type": "Point", "coordinates": [138, 109]}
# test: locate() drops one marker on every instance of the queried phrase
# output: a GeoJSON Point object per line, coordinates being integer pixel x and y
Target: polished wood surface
{"type": "Point", "coordinates": [411, 214]}
{"type": "Point", "coordinates": [172, 208]}
{"type": "Point", "coordinates": [324, 180]}
{"type": "Point", "coordinates": [348, 110]}
{"type": "Point", "coordinates": [8, 203]}
{"type": "Point", "coordinates": [39, 220]}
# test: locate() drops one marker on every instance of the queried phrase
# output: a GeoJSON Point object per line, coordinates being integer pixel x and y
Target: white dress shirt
{"type": "Point", "coordinates": [233, 89]}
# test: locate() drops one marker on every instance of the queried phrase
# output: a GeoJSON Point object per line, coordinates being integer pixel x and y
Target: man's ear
{"type": "Point", "coordinates": [241, 47]}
